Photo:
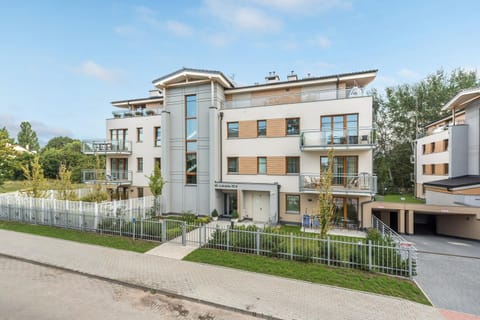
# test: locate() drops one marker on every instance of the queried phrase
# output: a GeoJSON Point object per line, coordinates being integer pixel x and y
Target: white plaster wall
{"type": "Point", "coordinates": [431, 158]}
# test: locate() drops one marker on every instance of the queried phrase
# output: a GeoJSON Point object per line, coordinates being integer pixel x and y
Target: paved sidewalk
{"type": "Point", "coordinates": [261, 294]}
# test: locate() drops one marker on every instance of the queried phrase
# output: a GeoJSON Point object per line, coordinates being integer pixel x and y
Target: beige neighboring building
{"type": "Point", "coordinates": [256, 149]}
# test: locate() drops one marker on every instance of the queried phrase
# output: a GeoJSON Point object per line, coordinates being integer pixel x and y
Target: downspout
{"type": "Point", "coordinates": [221, 144]}
{"type": "Point", "coordinates": [278, 203]}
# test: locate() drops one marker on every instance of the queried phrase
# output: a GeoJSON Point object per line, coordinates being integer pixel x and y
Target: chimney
{"type": "Point", "coordinates": [292, 76]}
{"type": "Point", "coordinates": [272, 77]}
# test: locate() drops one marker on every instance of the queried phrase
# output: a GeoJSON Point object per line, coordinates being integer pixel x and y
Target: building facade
{"type": "Point", "coordinates": [258, 149]}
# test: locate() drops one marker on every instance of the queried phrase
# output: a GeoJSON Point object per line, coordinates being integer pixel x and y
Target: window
{"type": "Point", "coordinates": [232, 165]}
{"type": "Point", "coordinates": [293, 203]}
{"type": "Point", "coordinates": [139, 164]}
{"type": "Point", "coordinates": [158, 137]}
{"type": "Point", "coordinates": [293, 126]}
{"type": "Point", "coordinates": [158, 162]}
{"type": "Point", "coordinates": [346, 211]}
{"type": "Point", "coordinates": [424, 169]}
{"type": "Point", "coordinates": [432, 147]}
{"type": "Point", "coordinates": [432, 169]}
{"type": "Point", "coordinates": [191, 135]}
{"type": "Point", "coordinates": [232, 130]}
{"type": "Point", "coordinates": [445, 168]}
{"type": "Point", "coordinates": [445, 145]}
{"type": "Point", "coordinates": [262, 165]}
{"type": "Point", "coordinates": [139, 134]}
{"type": "Point", "coordinates": [119, 138]}
{"type": "Point", "coordinates": [293, 165]}
{"type": "Point", "coordinates": [340, 129]}
{"type": "Point", "coordinates": [261, 128]}
{"type": "Point", "coordinates": [119, 169]}
{"type": "Point", "coordinates": [424, 148]}
{"type": "Point", "coordinates": [345, 169]}
{"type": "Point", "coordinates": [140, 192]}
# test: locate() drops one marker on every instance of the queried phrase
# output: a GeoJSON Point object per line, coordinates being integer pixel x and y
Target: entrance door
{"type": "Point", "coordinates": [261, 206]}
{"type": "Point", "coordinates": [230, 203]}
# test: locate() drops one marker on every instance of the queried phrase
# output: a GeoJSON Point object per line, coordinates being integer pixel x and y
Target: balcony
{"type": "Point", "coordinates": [360, 184]}
{"type": "Point", "coordinates": [143, 112]}
{"type": "Point", "coordinates": [118, 178]}
{"type": "Point", "coordinates": [343, 139]}
{"type": "Point", "coordinates": [307, 96]}
{"type": "Point", "coordinates": [108, 147]}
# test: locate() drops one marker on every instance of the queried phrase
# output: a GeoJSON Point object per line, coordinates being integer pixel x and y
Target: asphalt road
{"type": "Point", "coordinates": [29, 291]}
{"type": "Point", "coordinates": [448, 271]}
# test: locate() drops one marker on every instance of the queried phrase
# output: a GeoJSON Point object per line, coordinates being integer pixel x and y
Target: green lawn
{"type": "Point", "coordinates": [317, 273]}
{"type": "Point", "coordinates": [397, 198]}
{"type": "Point", "coordinates": [16, 185]}
{"type": "Point", "coordinates": [297, 230]}
{"type": "Point", "coordinates": [79, 236]}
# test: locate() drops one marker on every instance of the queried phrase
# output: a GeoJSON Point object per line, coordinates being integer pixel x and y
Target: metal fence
{"type": "Point", "coordinates": [385, 256]}
{"type": "Point", "coordinates": [146, 229]}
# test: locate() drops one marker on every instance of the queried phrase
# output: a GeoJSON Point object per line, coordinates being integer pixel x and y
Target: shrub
{"type": "Point", "coordinates": [214, 213]}
{"type": "Point", "coordinates": [235, 214]}
{"type": "Point", "coordinates": [96, 196]}
{"type": "Point", "coordinates": [374, 235]}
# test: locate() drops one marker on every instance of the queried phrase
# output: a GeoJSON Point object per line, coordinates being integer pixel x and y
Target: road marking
{"type": "Point", "coordinates": [459, 244]}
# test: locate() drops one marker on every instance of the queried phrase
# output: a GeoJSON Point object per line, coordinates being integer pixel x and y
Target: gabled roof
{"type": "Point", "coordinates": [453, 183]}
{"type": "Point", "coordinates": [462, 98]}
{"type": "Point", "coordinates": [189, 73]}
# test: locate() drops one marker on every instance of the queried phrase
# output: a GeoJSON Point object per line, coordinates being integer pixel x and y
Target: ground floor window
{"type": "Point", "coordinates": [293, 203]}
{"type": "Point", "coordinates": [230, 203]}
{"type": "Point", "coordinates": [346, 210]}
{"type": "Point", "coordinates": [140, 192]}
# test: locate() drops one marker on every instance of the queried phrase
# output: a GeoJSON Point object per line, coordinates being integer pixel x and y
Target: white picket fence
{"type": "Point", "coordinates": [130, 208]}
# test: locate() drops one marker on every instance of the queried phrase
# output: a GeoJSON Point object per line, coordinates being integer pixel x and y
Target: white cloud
{"type": "Point", "coordinates": [91, 69]}
{"type": "Point", "coordinates": [127, 30]}
{"type": "Point", "coordinates": [320, 41]}
{"type": "Point", "coordinates": [409, 74]}
{"type": "Point", "coordinates": [243, 17]}
{"type": "Point", "coordinates": [147, 15]}
{"type": "Point", "coordinates": [304, 6]}
{"type": "Point", "coordinates": [218, 39]}
{"type": "Point", "coordinates": [179, 29]}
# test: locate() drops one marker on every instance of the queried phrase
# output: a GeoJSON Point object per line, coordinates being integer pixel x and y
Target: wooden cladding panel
{"type": "Point", "coordinates": [439, 146]}
{"type": "Point", "coordinates": [276, 166]}
{"type": "Point", "coordinates": [247, 129]}
{"type": "Point", "coordinates": [276, 127]}
{"type": "Point", "coordinates": [278, 96]}
{"type": "Point", "coordinates": [428, 148]}
{"type": "Point", "coordinates": [247, 165]}
{"type": "Point", "coordinates": [428, 169]}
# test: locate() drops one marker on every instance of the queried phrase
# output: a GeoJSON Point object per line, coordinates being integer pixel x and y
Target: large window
{"type": "Point", "coordinates": [158, 136]}
{"type": "Point", "coordinates": [139, 134]}
{"type": "Point", "coordinates": [232, 165]}
{"type": "Point", "coordinates": [261, 128]}
{"type": "Point", "coordinates": [340, 129]}
{"type": "Point", "coordinates": [346, 211]}
{"type": "Point", "coordinates": [139, 164]}
{"type": "Point", "coordinates": [293, 165]}
{"type": "Point", "coordinates": [262, 165]}
{"type": "Point", "coordinates": [119, 169]}
{"type": "Point", "coordinates": [232, 130]}
{"type": "Point", "coordinates": [345, 169]}
{"type": "Point", "coordinates": [293, 126]}
{"type": "Point", "coordinates": [191, 135]}
{"type": "Point", "coordinates": [119, 138]}
{"type": "Point", "coordinates": [293, 203]}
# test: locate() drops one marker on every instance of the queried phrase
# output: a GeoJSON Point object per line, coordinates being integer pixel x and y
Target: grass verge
{"type": "Point", "coordinates": [317, 273]}
{"type": "Point", "coordinates": [79, 236]}
{"type": "Point", "coordinates": [408, 198]}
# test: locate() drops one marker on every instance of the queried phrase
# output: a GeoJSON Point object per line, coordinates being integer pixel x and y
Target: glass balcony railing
{"type": "Point", "coordinates": [342, 138]}
{"type": "Point", "coordinates": [307, 96]}
{"type": "Point", "coordinates": [107, 176]}
{"type": "Point", "coordinates": [342, 184]}
{"type": "Point", "coordinates": [136, 113]}
{"type": "Point", "coordinates": [106, 147]}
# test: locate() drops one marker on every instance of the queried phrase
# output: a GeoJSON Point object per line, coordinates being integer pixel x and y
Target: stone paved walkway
{"type": "Point", "coordinates": [239, 290]}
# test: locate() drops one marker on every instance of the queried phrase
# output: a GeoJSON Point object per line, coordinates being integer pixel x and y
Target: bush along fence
{"type": "Point", "coordinates": [374, 253]}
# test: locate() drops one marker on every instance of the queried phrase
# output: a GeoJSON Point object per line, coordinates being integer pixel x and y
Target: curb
{"type": "Point", "coordinates": [145, 288]}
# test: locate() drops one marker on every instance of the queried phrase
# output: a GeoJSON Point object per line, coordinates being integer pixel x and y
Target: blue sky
{"type": "Point", "coordinates": [63, 62]}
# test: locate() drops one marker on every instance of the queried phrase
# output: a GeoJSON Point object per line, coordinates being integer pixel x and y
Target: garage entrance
{"type": "Point", "coordinates": [425, 223]}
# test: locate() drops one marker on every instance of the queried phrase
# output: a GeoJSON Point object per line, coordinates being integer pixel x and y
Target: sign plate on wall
{"type": "Point", "coordinates": [229, 186]}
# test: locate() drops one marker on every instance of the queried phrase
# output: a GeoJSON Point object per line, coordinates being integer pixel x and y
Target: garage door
{"type": "Point", "coordinates": [261, 206]}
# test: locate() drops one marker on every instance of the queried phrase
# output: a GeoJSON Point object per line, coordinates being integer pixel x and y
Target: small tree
{"type": "Point", "coordinates": [326, 207]}
{"type": "Point", "coordinates": [27, 138]}
{"type": "Point", "coordinates": [156, 184]}
{"type": "Point", "coordinates": [64, 184]}
{"type": "Point", "coordinates": [35, 183]}
{"type": "Point", "coordinates": [7, 156]}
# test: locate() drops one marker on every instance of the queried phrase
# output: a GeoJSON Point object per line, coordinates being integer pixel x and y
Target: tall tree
{"type": "Point", "coordinates": [27, 138]}
{"type": "Point", "coordinates": [400, 116]}
{"type": "Point", "coordinates": [7, 156]}
{"type": "Point", "coordinates": [58, 142]}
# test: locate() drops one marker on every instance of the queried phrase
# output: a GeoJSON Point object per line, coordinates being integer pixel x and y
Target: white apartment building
{"type": "Point", "coordinates": [256, 149]}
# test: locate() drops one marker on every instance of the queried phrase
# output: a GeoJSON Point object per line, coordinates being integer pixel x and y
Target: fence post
{"type": "Point", "coordinates": [257, 240]}
{"type": "Point", "coordinates": [96, 216]}
{"type": "Point", "coordinates": [228, 238]}
{"type": "Point", "coordinates": [200, 235]}
{"type": "Point", "coordinates": [43, 210]}
{"type": "Point", "coordinates": [410, 269]}
{"type": "Point", "coordinates": [164, 230]}
{"type": "Point", "coordinates": [291, 246]}
{"type": "Point", "coordinates": [30, 202]}
{"type": "Point", "coordinates": [328, 250]}
{"type": "Point", "coordinates": [134, 222]}
{"type": "Point", "coordinates": [370, 255]}
{"type": "Point", "coordinates": [184, 234]}
{"type": "Point", "coordinates": [141, 228]}
{"type": "Point", "coordinates": [121, 223]}
{"type": "Point", "coordinates": [383, 230]}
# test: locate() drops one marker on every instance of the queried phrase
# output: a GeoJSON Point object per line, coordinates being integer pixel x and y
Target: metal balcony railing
{"type": "Point", "coordinates": [343, 138]}
{"type": "Point", "coordinates": [106, 147]}
{"type": "Point", "coordinates": [107, 176]}
{"type": "Point", "coordinates": [362, 183]}
{"type": "Point", "coordinates": [307, 96]}
{"type": "Point", "coordinates": [136, 113]}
